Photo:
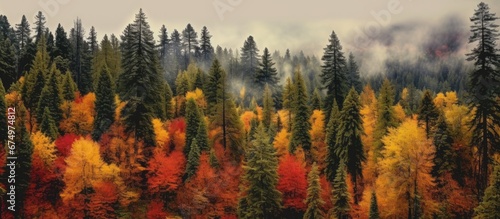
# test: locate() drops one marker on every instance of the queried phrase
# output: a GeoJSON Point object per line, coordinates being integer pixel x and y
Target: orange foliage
{"type": "Point", "coordinates": [281, 142]}
{"type": "Point", "coordinates": [246, 118]}
{"type": "Point", "coordinates": [318, 149]}
{"type": "Point", "coordinates": [103, 200]}
{"type": "Point", "coordinates": [198, 97]}
{"type": "Point", "coordinates": [285, 117]}
{"type": "Point", "coordinates": [155, 210]}
{"type": "Point", "coordinates": [177, 129]}
{"type": "Point", "coordinates": [161, 135]}
{"type": "Point", "coordinates": [165, 172]}
{"type": "Point", "coordinates": [292, 183]}
{"type": "Point", "coordinates": [78, 116]}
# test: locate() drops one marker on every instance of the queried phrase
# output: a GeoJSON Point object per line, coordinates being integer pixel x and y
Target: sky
{"type": "Point", "coordinates": [276, 24]}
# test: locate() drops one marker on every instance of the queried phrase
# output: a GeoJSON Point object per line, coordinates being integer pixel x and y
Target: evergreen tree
{"type": "Point", "coordinates": [268, 110]}
{"type": "Point", "coordinates": [192, 123]}
{"type": "Point", "coordinates": [50, 43]}
{"type": "Point", "coordinates": [23, 35]}
{"type": "Point", "coordinates": [316, 100]}
{"type": "Point", "coordinates": [353, 78]}
{"type": "Point", "coordinates": [484, 89]}
{"type": "Point", "coordinates": [214, 84]}
{"type": "Point", "coordinates": [189, 43]}
{"type": "Point", "coordinates": [92, 40]}
{"type": "Point", "coordinates": [35, 80]}
{"type": "Point", "coordinates": [175, 55]}
{"type": "Point", "coordinates": [443, 159]}
{"type": "Point", "coordinates": [193, 159]}
{"type": "Point", "coordinates": [3, 115]}
{"type": "Point", "coordinates": [333, 74]}
{"type": "Point", "coordinates": [385, 115]}
{"type": "Point", "coordinates": [23, 168]}
{"type": "Point", "coordinates": [427, 112]}
{"type": "Point", "coordinates": [107, 55]}
{"type": "Point", "coordinates": [51, 98]}
{"type": "Point", "coordinates": [104, 104]}
{"type": "Point", "coordinates": [48, 125]}
{"type": "Point", "coordinates": [199, 80]}
{"type": "Point", "coordinates": [313, 200]}
{"type": "Point", "coordinates": [340, 194]}
{"type": "Point", "coordinates": [488, 208]}
{"type": "Point", "coordinates": [39, 26]}
{"type": "Point", "coordinates": [207, 51]}
{"type": "Point", "coordinates": [168, 102]}
{"type": "Point", "coordinates": [202, 136]}
{"type": "Point", "coordinates": [79, 65]}
{"type": "Point", "coordinates": [181, 84]}
{"type": "Point", "coordinates": [249, 59]}
{"type": "Point", "coordinates": [68, 87]}
{"type": "Point", "coordinates": [261, 199]}
{"type": "Point", "coordinates": [374, 214]}
{"type": "Point", "coordinates": [163, 46]}
{"type": "Point", "coordinates": [288, 101]}
{"type": "Point", "coordinates": [7, 62]}
{"type": "Point", "coordinates": [62, 44]}
{"type": "Point", "coordinates": [266, 74]}
{"type": "Point", "coordinates": [349, 146]}
{"type": "Point", "coordinates": [301, 125]}
{"type": "Point", "coordinates": [332, 160]}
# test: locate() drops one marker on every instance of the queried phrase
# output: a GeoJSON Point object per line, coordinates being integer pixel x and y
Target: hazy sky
{"type": "Point", "coordinates": [276, 24]}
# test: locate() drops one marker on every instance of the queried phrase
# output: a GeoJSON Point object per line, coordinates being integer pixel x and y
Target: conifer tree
{"type": "Point", "coordinates": [24, 40]}
{"type": "Point", "coordinates": [192, 123]}
{"type": "Point", "coordinates": [51, 98]}
{"type": "Point", "coordinates": [249, 59]}
{"type": "Point", "coordinates": [202, 136]}
{"type": "Point", "coordinates": [48, 125]}
{"type": "Point", "coordinates": [39, 26]}
{"type": "Point", "coordinates": [288, 101]}
{"type": "Point", "coordinates": [266, 74]}
{"type": "Point", "coordinates": [314, 201]}
{"type": "Point", "coordinates": [62, 44]}
{"type": "Point", "coordinates": [340, 194]}
{"type": "Point", "coordinates": [443, 159]}
{"type": "Point", "coordinates": [301, 125]}
{"type": "Point", "coordinates": [427, 112]}
{"type": "Point", "coordinates": [332, 160]}
{"type": "Point", "coordinates": [214, 84]}
{"type": "Point", "coordinates": [189, 43]}
{"type": "Point", "coordinates": [35, 80]}
{"type": "Point", "coordinates": [206, 48]}
{"type": "Point", "coordinates": [168, 102]}
{"type": "Point", "coordinates": [484, 89]}
{"type": "Point", "coordinates": [333, 74]}
{"type": "Point", "coordinates": [25, 150]}
{"type": "Point", "coordinates": [385, 115]}
{"type": "Point", "coordinates": [268, 110]}
{"type": "Point", "coordinates": [374, 214]}
{"type": "Point", "coordinates": [316, 103]}
{"type": "Point", "coordinates": [488, 208]}
{"type": "Point", "coordinates": [349, 146]}
{"type": "Point", "coordinates": [193, 159]}
{"type": "Point", "coordinates": [7, 62]}
{"type": "Point", "coordinates": [163, 46]}
{"type": "Point", "coordinates": [353, 78]}
{"type": "Point", "coordinates": [104, 104]}
{"type": "Point", "coordinates": [261, 199]}
{"type": "Point", "coordinates": [3, 115]}
{"type": "Point", "coordinates": [68, 87]}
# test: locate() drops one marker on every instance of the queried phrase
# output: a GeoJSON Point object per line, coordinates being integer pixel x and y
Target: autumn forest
{"type": "Point", "coordinates": [163, 124]}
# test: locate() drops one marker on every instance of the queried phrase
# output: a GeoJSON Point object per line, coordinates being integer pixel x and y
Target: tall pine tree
{"type": "Point", "coordinates": [385, 115]}
{"type": "Point", "coordinates": [332, 160]}
{"type": "Point", "coordinates": [427, 112]}
{"type": "Point", "coordinates": [266, 74]}
{"type": "Point", "coordinates": [104, 104]}
{"type": "Point", "coordinates": [340, 194]}
{"type": "Point", "coordinates": [192, 123]}
{"type": "Point", "coordinates": [313, 200]}
{"type": "Point", "coordinates": [353, 78]}
{"type": "Point", "coordinates": [488, 208]}
{"type": "Point", "coordinates": [374, 214]}
{"type": "Point", "coordinates": [301, 125]}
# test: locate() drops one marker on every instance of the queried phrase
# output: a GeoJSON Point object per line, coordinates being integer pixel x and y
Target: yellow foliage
{"type": "Point", "coordinates": [161, 135]}
{"type": "Point", "coordinates": [446, 100]}
{"type": "Point", "coordinates": [246, 118]}
{"type": "Point", "coordinates": [439, 101]}
{"type": "Point", "coordinates": [198, 97]}
{"type": "Point", "coordinates": [259, 112]}
{"type": "Point", "coordinates": [285, 117]}
{"type": "Point", "coordinates": [399, 113]}
{"type": "Point", "coordinates": [119, 107]}
{"type": "Point", "coordinates": [458, 119]}
{"type": "Point", "coordinates": [407, 164]}
{"type": "Point", "coordinates": [281, 142]}
{"type": "Point", "coordinates": [318, 149]}
{"type": "Point", "coordinates": [80, 118]}
{"type": "Point", "coordinates": [43, 147]}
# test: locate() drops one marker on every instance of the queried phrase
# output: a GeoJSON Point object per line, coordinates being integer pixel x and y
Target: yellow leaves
{"type": "Point", "coordinates": [78, 116]}
{"type": "Point", "coordinates": [119, 107]}
{"type": "Point", "coordinates": [281, 142]}
{"type": "Point", "coordinates": [198, 96]}
{"type": "Point", "coordinates": [162, 137]}
{"type": "Point", "coordinates": [43, 147]}
{"type": "Point", "coordinates": [445, 100]}
{"type": "Point", "coordinates": [246, 117]}
{"type": "Point", "coordinates": [399, 113]}
{"type": "Point", "coordinates": [318, 149]}
{"type": "Point", "coordinates": [285, 118]}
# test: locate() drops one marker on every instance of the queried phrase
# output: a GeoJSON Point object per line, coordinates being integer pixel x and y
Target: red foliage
{"type": "Point", "coordinates": [177, 125]}
{"type": "Point", "coordinates": [177, 131]}
{"type": "Point", "coordinates": [42, 188]}
{"type": "Point", "coordinates": [155, 210]}
{"type": "Point", "coordinates": [165, 172]}
{"type": "Point", "coordinates": [103, 200]}
{"type": "Point", "coordinates": [292, 183]}
{"type": "Point", "coordinates": [326, 191]}
{"type": "Point", "coordinates": [63, 143]}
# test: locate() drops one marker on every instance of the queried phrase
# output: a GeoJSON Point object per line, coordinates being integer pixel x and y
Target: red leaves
{"type": "Point", "coordinates": [103, 200]}
{"type": "Point", "coordinates": [63, 143]}
{"type": "Point", "coordinates": [165, 172]}
{"type": "Point", "coordinates": [292, 183]}
{"type": "Point", "coordinates": [155, 210]}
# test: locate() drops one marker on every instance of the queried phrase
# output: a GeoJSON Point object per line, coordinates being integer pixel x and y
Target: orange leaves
{"type": "Point", "coordinates": [177, 129]}
{"type": "Point", "coordinates": [43, 147]}
{"type": "Point", "coordinates": [246, 117]}
{"type": "Point", "coordinates": [165, 172]}
{"type": "Point", "coordinates": [103, 200]}
{"type": "Point", "coordinates": [198, 96]}
{"type": "Point", "coordinates": [292, 183]}
{"type": "Point", "coordinates": [281, 142]}
{"type": "Point", "coordinates": [318, 147]}
{"type": "Point", "coordinates": [63, 144]}
{"type": "Point", "coordinates": [161, 135]}
{"type": "Point", "coordinates": [78, 116]}
{"type": "Point", "coordinates": [155, 210]}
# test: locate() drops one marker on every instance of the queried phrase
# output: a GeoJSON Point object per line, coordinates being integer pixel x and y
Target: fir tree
{"type": "Point", "coordinates": [215, 78]}
{"type": "Point", "coordinates": [316, 102]}
{"type": "Point", "coordinates": [353, 78]}
{"type": "Point", "coordinates": [443, 159]}
{"type": "Point", "coordinates": [268, 110]}
{"type": "Point", "coordinates": [193, 159]}
{"type": "Point", "coordinates": [168, 102]}
{"type": "Point", "coordinates": [23, 169]}
{"type": "Point", "coordinates": [68, 87]}
{"type": "Point", "coordinates": [332, 160]}
{"type": "Point", "coordinates": [288, 101]}
{"type": "Point", "coordinates": [104, 104]}
{"type": "Point", "coordinates": [7, 62]}
{"type": "Point", "coordinates": [189, 43]}
{"type": "Point", "coordinates": [3, 115]}
{"type": "Point", "coordinates": [385, 115]}
{"type": "Point", "coordinates": [62, 44]}
{"type": "Point", "coordinates": [39, 26]}
{"type": "Point", "coordinates": [333, 74]}
{"type": "Point", "coordinates": [427, 112]}
{"type": "Point", "coordinates": [261, 198]}
{"type": "Point", "coordinates": [51, 98]}
{"type": "Point", "coordinates": [484, 89]}
{"type": "Point", "coordinates": [48, 125]}
{"type": "Point", "coordinates": [340, 194]}
{"type": "Point", "coordinates": [207, 51]}
{"type": "Point", "coordinates": [202, 136]}
{"type": "Point", "coordinates": [301, 125]}
{"type": "Point", "coordinates": [374, 214]}
{"type": "Point", "coordinates": [192, 123]}
{"type": "Point", "coordinates": [266, 74]}
{"type": "Point", "coordinates": [249, 59]}
{"type": "Point", "coordinates": [163, 46]}
{"type": "Point", "coordinates": [314, 201]}
{"type": "Point", "coordinates": [92, 40]}
{"type": "Point", "coordinates": [488, 208]}
{"type": "Point", "coordinates": [23, 35]}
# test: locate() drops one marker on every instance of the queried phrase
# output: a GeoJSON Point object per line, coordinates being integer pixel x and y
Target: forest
{"type": "Point", "coordinates": [162, 124]}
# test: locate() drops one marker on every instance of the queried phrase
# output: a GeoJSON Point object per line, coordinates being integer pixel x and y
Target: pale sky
{"type": "Point", "coordinates": [276, 24]}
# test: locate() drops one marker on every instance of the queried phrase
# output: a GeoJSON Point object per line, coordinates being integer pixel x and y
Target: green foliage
{"type": "Point", "coordinates": [7, 62]}
{"type": "Point", "coordinates": [202, 135]}
{"type": "Point", "coordinates": [488, 208]}
{"type": "Point", "coordinates": [192, 123]}
{"type": "Point", "coordinates": [266, 74]}
{"type": "Point", "coordinates": [68, 87]}
{"type": "Point", "coordinates": [104, 104]}
{"type": "Point", "coordinates": [443, 159]}
{"type": "Point", "coordinates": [313, 200]}
{"type": "Point", "coordinates": [268, 110]}
{"type": "Point", "coordinates": [193, 159]}
{"type": "Point", "coordinates": [51, 97]}
{"type": "Point", "coordinates": [385, 115]}
{"type": "Point", "coordinates": [213, 86]}
{"type": "Point", "coordinates": [301, 126]}
{"type": "Point", "coordinates": [332, 160]}
{"type": "Point", "coordinates": [48, 125]}
{"type": "Point", "coordinates": [316, 102]}
{"type": "Point", "coordinates": [427, 112]}
{"type": "Point", "coordinates": [261, 198]}
{"type": "Point", "coordinates": [3, 115]}
{"type": "Point", "coordinates": [353, 78]}
{"type": "Point", "coordinates": [168, 102]}
{"type": "Point", "coordinates": [374, 213]}
{"type": "Point", "coordinates": [288, 100]}
{"type": "Point", "coordinates": [340, 194]}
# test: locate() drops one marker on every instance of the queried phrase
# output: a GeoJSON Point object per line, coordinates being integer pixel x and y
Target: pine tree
{"type": "Point", "coordinates": [207, 51]}
{"type": "Point", "coordinates": [3, 115]}
{"type": "Point", "coordinates": [261, 198]}
{"type": "Point", "coordinates": [268, 110]}
{"type": "Point", "coordinates": [443, 159]}
{"type": "Point", "coordinates": [140, 84]}
{"type": "Point", "coordinates": [266, 74]}
{"type": "Point", "coordinates": [181, 84]}
{"type": "Point", "coordinates": [353, 78]}
{"type": "Point", "coordinates": [199, 80]}
{"type": "Point", "coordinates": [314, 201]}
{"type": "Point", "coordinates": [340, 194]}
{"type": "Point", "coordinates": [427, 112]}
{"type": "Point", "coordinates": [104, 104]}
{"type": "Point", "coordinates": [39, 26]}
{"type": "Point", "coordinates": [249, 59]}
{"type": "Point", "coordinates": [316, 102]}
{"type": "Point", "coordinates": [215, 78]}
{"type": "Point", "coordinates": [192, 123]}
{"type": "Point", "coordinates": [189, 43]}
{"type": "Point", "coordinates": [333, 74]}
{"type": "Point", "coordinates": [193, 159]}
{"type": "Point", "coordinates": [68, 87]}
{"type": "Point", "coordinates": [92, 40]}
{"type": "Point", "coordinates": [202, 136]}
{"type": "Point", "coordinates": [62, 44]}
{"type": "Point", "coordinates": [332, 160]}
{"type": "Point", "coordinates": [48, 125]}
{"type": "Point", "coordinates": [385, 115]}
{"type": "Point", "coordinates": [7, 62]}
{"type": "Point", "coordinates": [168, 102]}
{"type": "Point", "coordinates": [374, 214]}
{"type": "Point", "coordinates": [288, 101]}
{"type": "Point", "coordinates": [301, 125]}
{"type": "Point", "coordinates": [163, 46]}
{"type": "Point", "coordinates": [484, 88]}
{"type": "Point", "coordinates": [23, 35]}
{"type": "Point", "coordinates": [349, 146]}
{"type": "Point", "coordinates": [79, 66]}
{"type": "Point", "coordinates": [488, 208]}
{"type": "Point", "coordinates": [51, 98]}
{"type": "Point", "coordinates": [23, 168]}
